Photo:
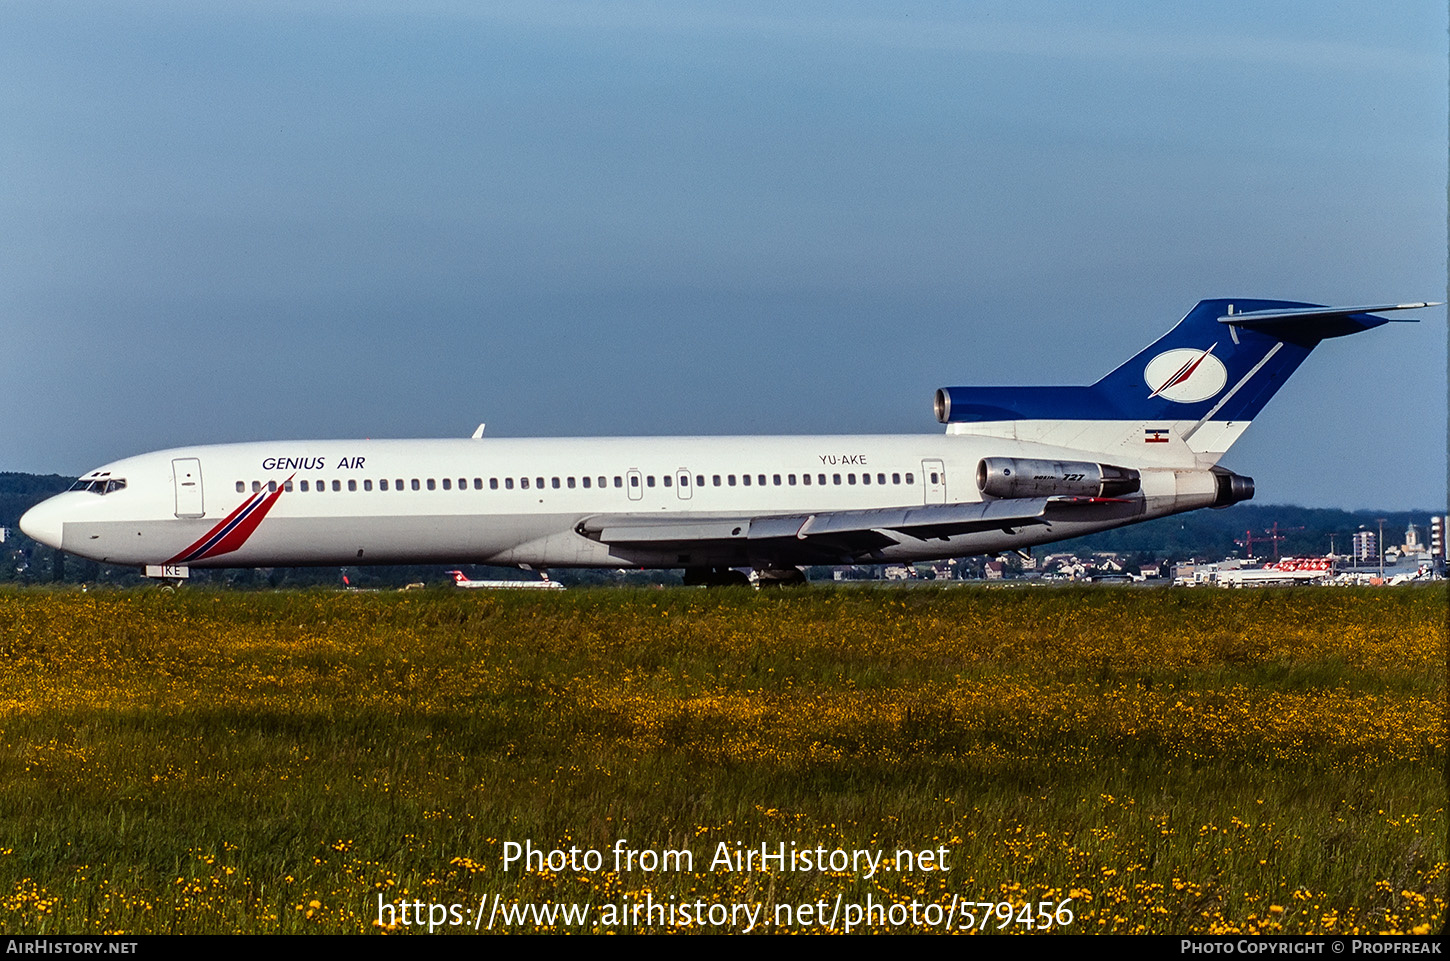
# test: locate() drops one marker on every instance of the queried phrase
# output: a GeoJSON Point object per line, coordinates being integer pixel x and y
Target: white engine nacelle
{"type": "Point", "coordinates": [1025, 477]}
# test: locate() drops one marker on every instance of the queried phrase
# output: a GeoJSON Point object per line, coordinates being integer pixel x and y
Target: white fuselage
{"type": "Point", "coordinates": [531, 501]}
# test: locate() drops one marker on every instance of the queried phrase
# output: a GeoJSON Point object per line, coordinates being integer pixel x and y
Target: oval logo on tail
{"type": "Point", "coordinates": [1185, 375]}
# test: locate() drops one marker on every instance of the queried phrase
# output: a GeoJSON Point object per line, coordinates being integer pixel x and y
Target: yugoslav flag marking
{"type": "Point", "coordinates": [233, 530]}
{"type": "Point", "coordinates": [1185, 375]}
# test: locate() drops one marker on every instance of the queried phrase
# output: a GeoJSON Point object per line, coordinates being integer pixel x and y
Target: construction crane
{"type": "Point", "coordinates": [1272, 535]}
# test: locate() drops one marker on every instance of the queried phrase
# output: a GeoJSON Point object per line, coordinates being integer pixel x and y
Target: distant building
{"type": "Point", "coordinates": [1437, 538]}
{"type": "Point", "coordinates": [1366, 547]}
{"type": "Point", "coordinates": [1237, 573]}
{"type": "Point", "coordinates": [1412, 543]}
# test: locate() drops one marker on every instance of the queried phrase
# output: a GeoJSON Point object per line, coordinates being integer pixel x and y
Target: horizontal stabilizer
{"type": "Point", "coordinates": [1270, 319]}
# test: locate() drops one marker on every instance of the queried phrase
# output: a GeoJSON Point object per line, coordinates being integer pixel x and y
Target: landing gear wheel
{"type": "Point", "coordinates": [781, 577]}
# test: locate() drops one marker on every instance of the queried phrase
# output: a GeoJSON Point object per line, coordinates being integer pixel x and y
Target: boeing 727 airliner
{"type": "Point", "coordinates": [1016, 466]}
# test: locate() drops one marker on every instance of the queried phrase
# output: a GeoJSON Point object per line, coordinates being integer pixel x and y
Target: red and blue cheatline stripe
{"type": "Point", "coordinates": [232, 532]}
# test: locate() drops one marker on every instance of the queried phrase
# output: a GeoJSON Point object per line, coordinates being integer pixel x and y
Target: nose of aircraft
{"type": "Point", "coordinates": [43, 523]}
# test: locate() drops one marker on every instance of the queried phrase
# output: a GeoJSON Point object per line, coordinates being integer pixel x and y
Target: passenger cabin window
{"type": "Point", "coordinates": [368, 485]}
{"type": "Point", "coordinates": [554, 482]}
{"type": "Point", "coordinates": [524, 483]}
{"type": "Point", "coordinates": [415, 483]}
{"type": "Point", "coordinates": [286, 485]}
{"type": "Point", "coordinates": [241, 487]}
{"type": "Point", "coordinates": [352, 485]}
{"type": "Point", "coordinates": [911, 478]}
{"type": "Point", "coordinates": [508, 483]}
{"type": "Point", "coordinates": [745, 479]}
{"type": "Point", "coordinates": [383, 484]}
{"type": "Point", "coordinates": [493, 483]}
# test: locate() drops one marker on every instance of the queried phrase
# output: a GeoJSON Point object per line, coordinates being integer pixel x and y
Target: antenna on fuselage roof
{"type": "Point", "coordinates": [478, 433]}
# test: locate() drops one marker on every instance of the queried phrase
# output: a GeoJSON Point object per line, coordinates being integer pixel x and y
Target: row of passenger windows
{"type": "Point", "coordinates": [570, 483]}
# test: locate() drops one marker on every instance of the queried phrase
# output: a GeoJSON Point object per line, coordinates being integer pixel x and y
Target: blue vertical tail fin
{"type": "Point", "coordinates": [1185, 398]}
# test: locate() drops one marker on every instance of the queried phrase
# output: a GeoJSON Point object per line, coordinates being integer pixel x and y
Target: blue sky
{"type": "Point", "coordinates": [289, 220]}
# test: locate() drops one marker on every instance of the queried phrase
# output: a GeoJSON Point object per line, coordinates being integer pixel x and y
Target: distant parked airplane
{"type": "Point", "coordinates": [1017, 466]}
{"type": "Point", "coordinates": [545, 584]}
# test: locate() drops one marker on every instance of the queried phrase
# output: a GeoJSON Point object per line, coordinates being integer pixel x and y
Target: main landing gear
{"type": "Point", "coordinates": [728, 577]}
{"type": "Point", "coordinates": [715, 577]}
{"type": "Point", "coordinates": [781, 577]}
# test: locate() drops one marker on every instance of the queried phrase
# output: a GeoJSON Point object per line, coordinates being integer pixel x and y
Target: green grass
{"type": "Point", "coordinates": [1171, 761]}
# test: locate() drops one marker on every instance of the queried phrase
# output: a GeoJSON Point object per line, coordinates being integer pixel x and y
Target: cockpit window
{"type": "Point", "coordinates": [99, 485]}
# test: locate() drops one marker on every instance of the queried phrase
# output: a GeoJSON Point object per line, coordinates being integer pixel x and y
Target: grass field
{"type": "Point", "coordinates": [1149, 760]}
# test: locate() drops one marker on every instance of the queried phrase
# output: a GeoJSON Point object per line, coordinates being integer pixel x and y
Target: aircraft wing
{"type": "Point", "coordinates": [837, 534]}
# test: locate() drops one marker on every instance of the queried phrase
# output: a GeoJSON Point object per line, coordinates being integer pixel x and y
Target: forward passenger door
{"type": "Point", "coordinates": [186, 474]}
